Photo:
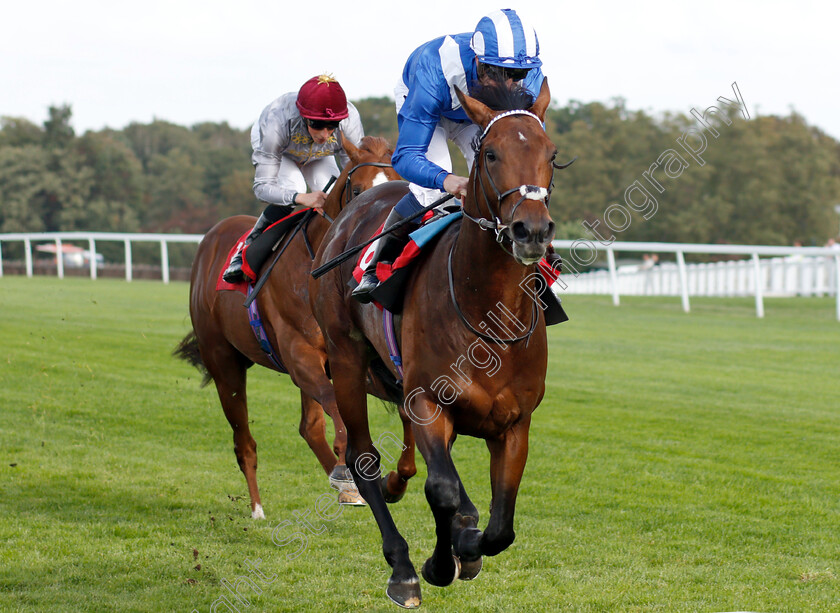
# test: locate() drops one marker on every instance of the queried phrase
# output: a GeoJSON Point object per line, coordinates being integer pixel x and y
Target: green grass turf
{"type": "Point", "coordinates": [678, 463]}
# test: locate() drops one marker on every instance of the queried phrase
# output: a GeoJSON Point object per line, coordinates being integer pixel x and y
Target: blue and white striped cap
{"type": "Point", "coordinates": [503, 39]}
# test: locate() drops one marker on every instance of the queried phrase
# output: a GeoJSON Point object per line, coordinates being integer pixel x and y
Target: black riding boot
{"type": "Point", "coordinates": [552, 259]}
{"type": "Point", "coordinates": [234, 272]}
{"type": "Point", "coordinates": [388, 249]}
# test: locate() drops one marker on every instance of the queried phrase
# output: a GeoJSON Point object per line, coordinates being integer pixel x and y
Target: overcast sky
{"type": "Point", "coordinates": [187, 61]}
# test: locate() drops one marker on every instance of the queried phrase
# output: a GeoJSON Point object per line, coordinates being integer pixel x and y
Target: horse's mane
{"type": "Point", "coordinates": [375, 145]}
{"type": "Point", "coordinates": [500, 98]}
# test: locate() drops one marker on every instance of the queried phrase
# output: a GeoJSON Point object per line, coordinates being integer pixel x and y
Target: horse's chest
{"type": "Point", "coordinates": [490, 414]}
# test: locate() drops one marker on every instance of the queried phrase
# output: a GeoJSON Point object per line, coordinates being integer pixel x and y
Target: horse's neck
{"type": "Point", "coordinates": [332, 207]}
{"type": "Point", "coordinates": [484, 275]}
{"type": "Point", "coordinates": [335, 199]}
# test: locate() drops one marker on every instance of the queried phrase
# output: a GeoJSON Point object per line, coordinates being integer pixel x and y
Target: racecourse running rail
{"type": "Point", "coordinates": [778, 271]}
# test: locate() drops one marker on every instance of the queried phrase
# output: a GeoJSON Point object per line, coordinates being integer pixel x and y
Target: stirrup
{"type": "Point", "coordinates": [368, 283]}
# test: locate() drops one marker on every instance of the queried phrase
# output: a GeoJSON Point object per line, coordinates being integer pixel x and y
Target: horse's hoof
{"type": "Point", "coordinates": [258, 512]}
{"type": "Point", "coordinates": [340, 478]}
{"type": "Point", "coordinates": [405, 594]}
{"type": "Point", "coordinates": [470, 570]}
{"type": "Point", "coordinates": [351, 498]}
{"type": "Point", "coordinates": [388, 496]}
{"type": "Point", "coordinates": [430, 579]}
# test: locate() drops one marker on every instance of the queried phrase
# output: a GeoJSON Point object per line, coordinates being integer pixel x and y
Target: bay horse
{"type": "Point", "coordinates": [463, 373]}
{"type": "Point", "coordinates": [224, 346]}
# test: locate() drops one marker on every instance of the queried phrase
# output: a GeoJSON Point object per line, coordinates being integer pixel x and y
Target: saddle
{"type": "Point", "coordinates": [393, 277]}
{"type": "Point", "coordinates": [256, 254]}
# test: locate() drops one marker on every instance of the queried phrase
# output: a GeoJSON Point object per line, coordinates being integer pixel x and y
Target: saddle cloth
{"type": "Point", "coordinates": [254, 317]}
{"type": "Point", "coordinates": [392, 277]}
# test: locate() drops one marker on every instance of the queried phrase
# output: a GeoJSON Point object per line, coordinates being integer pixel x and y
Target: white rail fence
{"type": "Point", "coordinates": [784, 271]}
{"type": "Point", "coordinates": [90, 239]}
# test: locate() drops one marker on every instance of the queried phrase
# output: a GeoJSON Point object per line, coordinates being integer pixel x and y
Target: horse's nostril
{"type": "Point", "coordinates": [519, 232]}
{"type": "Point", "coordinates": [548, 234]}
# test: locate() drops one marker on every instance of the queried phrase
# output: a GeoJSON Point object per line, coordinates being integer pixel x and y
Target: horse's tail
{"type": "Point", "coordinates": [188, 350]}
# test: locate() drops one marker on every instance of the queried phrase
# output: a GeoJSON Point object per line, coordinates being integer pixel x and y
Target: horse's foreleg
{"type": "Point", "coordinates": [465, 529]}
{"type": "Point", "coordinates": [443, 487]}
{"type": "Point", "coordinates": [313, 431]}
{"type": "Point", "coordinates": [307, 372]}
{"type": "Point", "coordinates": [396, 482]}
{"type": "Point", "coordinates": [363, 462]}
{"type": "Point", "coordinates": [507, 463]}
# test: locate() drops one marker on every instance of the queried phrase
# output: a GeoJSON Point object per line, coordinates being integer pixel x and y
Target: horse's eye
{"type": "Point", "coordinates": [356, 191]}
{"type": "Point", "coordinates": [491, 155]}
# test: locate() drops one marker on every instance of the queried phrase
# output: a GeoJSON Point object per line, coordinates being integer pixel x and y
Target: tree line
{"type": "Point", "coordinates": [766, 180]}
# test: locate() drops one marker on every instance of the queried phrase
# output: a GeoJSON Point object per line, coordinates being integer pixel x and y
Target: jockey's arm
{"type": "Point", "coordinates": [411, 163]}
{"type": "Point", "coordinates": [266, 160]}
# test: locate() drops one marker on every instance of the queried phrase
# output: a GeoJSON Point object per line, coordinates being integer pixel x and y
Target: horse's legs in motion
{"type": "Point", "coordinates": [443, 487]}
{"type": "Point", "coordinates": [395, 483]}
{"type": "Point", "coordinates": [228, 370]}
{"type": "Point", "coordinates": [507, 463]}
{"type": "Point", "coordinates": [465, 526]}
{"type": "Point", "coordinates": [313, 431]}
{"type": "Point", "coordinates": [349, 379]}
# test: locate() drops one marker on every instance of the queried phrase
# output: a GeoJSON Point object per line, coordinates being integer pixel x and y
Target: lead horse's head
{"type": "Point", "coordinates": [510, 182]}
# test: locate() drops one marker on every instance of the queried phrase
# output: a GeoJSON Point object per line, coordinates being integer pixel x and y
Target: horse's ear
{"type": "Point", "coordinates": [350, 148]}
{"type": "Point", "coordinates": [480, 113]}
{"type": "Point", "coordinates": [540, 105]}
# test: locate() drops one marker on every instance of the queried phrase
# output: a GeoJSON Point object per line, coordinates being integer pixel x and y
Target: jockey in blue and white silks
{"type": "Point", "coordinates": [503, 49]}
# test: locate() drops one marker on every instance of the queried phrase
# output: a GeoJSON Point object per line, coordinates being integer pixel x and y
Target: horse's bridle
{"type": "Point", "coordinates": [348, 196]}
{"type": "Point", "coordinates": [527, 192]}
{"type": "Point", "coordinates": [347, 191]}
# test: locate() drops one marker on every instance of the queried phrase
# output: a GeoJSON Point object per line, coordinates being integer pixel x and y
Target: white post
{"type": "Point", "coordinates": [613, 275]}
{"type": "Point", "coordinates": [837, 282]}
{"type": "Point", "coordinates": [128, 275]}
{"type": "Point", "coordinates": [27, 248]}
{"type": "Point", "coordinates": [164, 261]}
{"type": "Point", "coordinates": [92, 250]}
{"type": "Point", "coordinates": [59, 259]}
{"type": "Point", "coordinates": [759, 287]}
{"type": "Point", "coordinates": [683, 281]}
{"type": "Point", "coordinates": [1, 259]}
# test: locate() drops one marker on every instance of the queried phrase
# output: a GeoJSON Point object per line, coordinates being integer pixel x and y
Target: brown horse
{"type": "Point", "coordinates": [473, 339]}
{"type": "Point", "coordinates": [223, 344]}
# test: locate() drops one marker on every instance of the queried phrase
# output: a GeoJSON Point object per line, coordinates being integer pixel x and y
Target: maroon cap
{"type": "Point", "coordinates": [322, 98]}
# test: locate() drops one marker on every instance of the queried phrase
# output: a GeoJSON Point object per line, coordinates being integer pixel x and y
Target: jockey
{"type": "Point", "coordinates": [503, 49]}
{"type": "Point", "coordinates": [294, 141]}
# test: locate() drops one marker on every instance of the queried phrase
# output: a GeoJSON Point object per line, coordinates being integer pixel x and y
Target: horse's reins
{"type": "Point", "coordinates": [470, 327]}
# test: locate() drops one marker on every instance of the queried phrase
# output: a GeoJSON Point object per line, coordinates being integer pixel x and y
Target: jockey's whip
{"type": "Point", "coordinates": [343, 257]}
{"type": "Point", "coordinates": [259, 284]}
{"type": "Point", "coordinates": [264, 279]}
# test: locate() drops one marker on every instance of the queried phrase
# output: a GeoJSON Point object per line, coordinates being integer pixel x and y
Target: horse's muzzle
{"type": "Point", "coordinates": [530, 240]}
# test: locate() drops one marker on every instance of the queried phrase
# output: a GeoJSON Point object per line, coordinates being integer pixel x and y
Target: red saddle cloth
{"type": "Point", "coordinates": [221, 284]}
{"type": "Point", "coordinates": [392, 277]}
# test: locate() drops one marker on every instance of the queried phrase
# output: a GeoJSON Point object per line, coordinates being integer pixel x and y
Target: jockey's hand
{"type": "Point", "coordinates": [456, 185]}
{"type": "Point", "coordinates": [313, 200]}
